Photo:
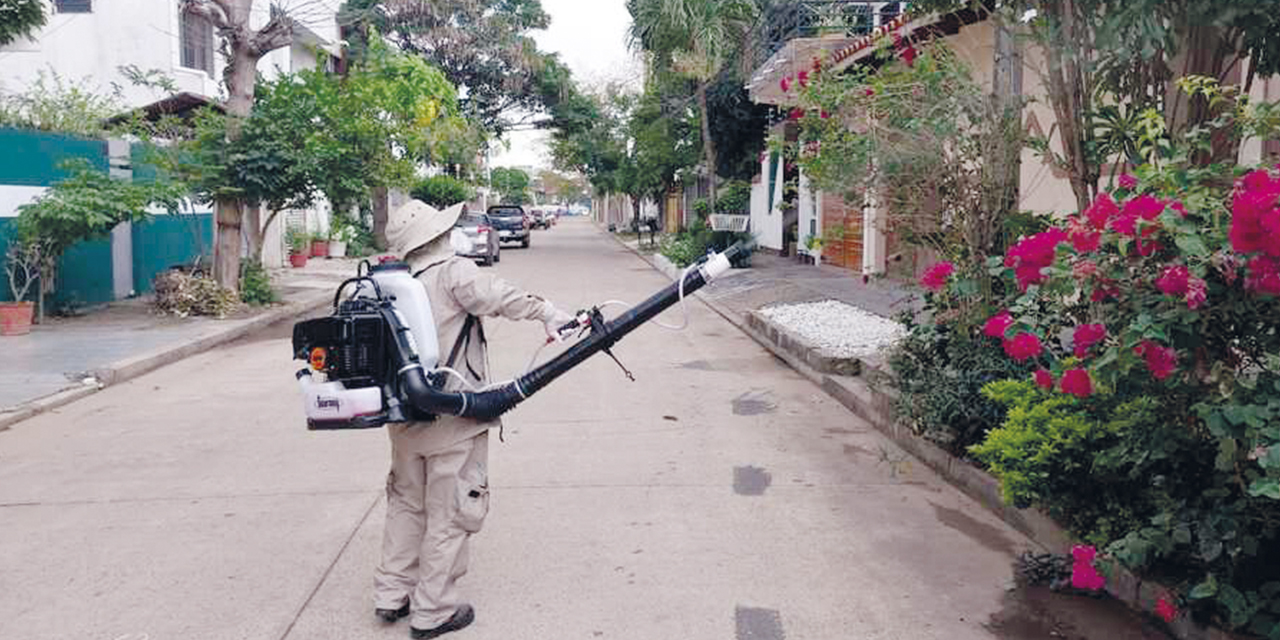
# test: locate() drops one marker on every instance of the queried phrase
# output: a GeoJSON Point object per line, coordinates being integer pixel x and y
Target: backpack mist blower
{"type": "Point", "coordinates": [374, 360]}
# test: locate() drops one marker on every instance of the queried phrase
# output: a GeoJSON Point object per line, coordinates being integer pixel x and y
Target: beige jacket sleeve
{"type": "Point", "coordinates": [483, 294]}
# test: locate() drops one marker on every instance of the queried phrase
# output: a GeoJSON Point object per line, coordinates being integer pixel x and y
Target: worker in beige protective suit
{"type": "Point", "coordinates": [438, 488]}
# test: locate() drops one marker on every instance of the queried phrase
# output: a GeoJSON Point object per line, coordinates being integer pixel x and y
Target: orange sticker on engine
{"type": "Point", "coordinates": [318, 356]}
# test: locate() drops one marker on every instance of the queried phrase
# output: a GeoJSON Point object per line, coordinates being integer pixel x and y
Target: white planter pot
{"type": "Point", "coordinates": [337, 249]}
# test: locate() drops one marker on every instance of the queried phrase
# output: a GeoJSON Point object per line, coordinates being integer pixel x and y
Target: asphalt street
{"type": "Point", "coordinates": [719, 496]}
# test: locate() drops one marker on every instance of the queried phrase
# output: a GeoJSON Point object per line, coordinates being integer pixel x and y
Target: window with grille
{"type": "Point", "coordinates": [73, 6]}
{"type": "Point", "coordinates": [197, 42]}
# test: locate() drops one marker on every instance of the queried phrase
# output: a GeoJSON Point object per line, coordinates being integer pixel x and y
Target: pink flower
{"type": "Point", "coordinates": [1106, 290]}
{"type": "Point", "coordinates": [803, 78]}
{"type": "Point", "coordinates": [909, 55]}
{"type": "Point", "coordinates": [1084, 269]}
{"type": "Point", "coordinates": [1085, 241]}
{"type": "Point", "coordinates": [1196, 293]}
{"type": "Point", "coordinates": [785, 84]}
{"type": "Point", "coordinates": [935, 279]}
{"type": "Point", "coordinates": [824, 115]}
{"type": "Point", "coordinates": [1165, 609]}
{"type": "Point", "coordinates": [1255, 216]}
{"type": "Point", "coordinates": [1263, 276]}
{"type": "Point", "coordinates": [1128, 182]}
{"type": "Point", "coordinates": [797, 113]}
{"type": "Point", "coordinates": [1023, 347]}
{"type": "Point", "coordinates": [1174, 280]}
{"type": "Point", "coordinates": [1101, 211]}
{"type": "Point", "coordinates": [869, 92]}
{"type": "Point", "coordinates": [1144, 207]}
{"type": "Point", "coordinates": [1087, 335]}
{"type": "Point", "coordinates": [1161, 360]}
{"type": "Point", "coordinates": [998, 324]}
{"type": "Point", "coordinates": [1178, 206]}
{"type": "Point", "coordinates": [1044, 379]}
{"type": "Point", "coordinates": [1077, 383]}
{"type": "Point", "coordinates": [1031, 255]}
{"type": "Point", "coordinates": [1083, 574]}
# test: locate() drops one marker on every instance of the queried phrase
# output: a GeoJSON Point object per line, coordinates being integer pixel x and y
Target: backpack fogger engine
{"type": "Point", "coordinates": [374, 359]}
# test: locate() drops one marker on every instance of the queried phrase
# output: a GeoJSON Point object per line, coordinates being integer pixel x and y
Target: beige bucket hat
{"type": "Point", "coordinates": [416, 223]}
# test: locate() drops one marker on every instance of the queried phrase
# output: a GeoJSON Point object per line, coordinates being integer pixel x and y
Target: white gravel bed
{"type": "Point", "coordinates": [836, 328]}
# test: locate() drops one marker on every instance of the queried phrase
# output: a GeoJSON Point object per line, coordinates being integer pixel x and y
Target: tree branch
{"type": "Point", "coordinates": [275, 34]}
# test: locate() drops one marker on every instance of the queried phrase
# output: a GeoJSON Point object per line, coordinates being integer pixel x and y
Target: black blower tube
{"type": "Point", "coordinates": [487, 405]}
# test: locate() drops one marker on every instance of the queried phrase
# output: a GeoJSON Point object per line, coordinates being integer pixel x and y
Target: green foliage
{"type": "Point", "coordinates": [702, 209]}
{"type": "Point", "coordinates": [53, 103]}
{"type": "Point", "coordinates": [511, 183]}
{"type": "Point", "coordinates": [20, 19]}
{"type": "Point", "coordinates": [88, 204]}
{"type": "Point", "coordinates": [939, 372]}
{"type": "Point", "coordinates": [909, 133]}
{"type": "Point", "coordinates": [484, 48]}
{"type": "Point", "coordinates": [343, 232]}
{"type": "Point", "coordinates": [1047, 452]}
{"type": "Point", "coordinates": [688, 246]}
{"type": "Point", "coordinates": [255, 284]}
{"type": "Point", "coordinates": [362, 245]}
{"type": "Point", "coordinates": [313, 133]}
{"type": "Point", "coordinates": [442, 191]}
{"type": "Point", "coordinates": [298, 240]}
{"type": "Point", "coordinates": [734, 197]}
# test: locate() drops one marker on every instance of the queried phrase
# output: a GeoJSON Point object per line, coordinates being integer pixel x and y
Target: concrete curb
{"type": "Point", "coordinates": [135, 366]}
{"type": "Point", "coordinates": [876, 407]}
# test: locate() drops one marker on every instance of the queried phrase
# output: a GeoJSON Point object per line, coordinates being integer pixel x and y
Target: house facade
{"type": "Point", "coordinates": [96, 45]}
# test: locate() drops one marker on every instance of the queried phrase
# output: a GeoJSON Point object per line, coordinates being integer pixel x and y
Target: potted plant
{"type": "Point", "coordinates": [319, 246]}
{"type": "Point", "coordinates": [339, 237]}
{"type": "Point", "coordinates": [22, 266]}
{"type": "Point", "coordinates": [814, 246]}
{"type": "Point", "coordinates": [298, 241]}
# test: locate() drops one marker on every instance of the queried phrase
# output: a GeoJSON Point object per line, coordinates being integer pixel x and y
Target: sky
{"type": "Point", "coordinates": [591, 37]}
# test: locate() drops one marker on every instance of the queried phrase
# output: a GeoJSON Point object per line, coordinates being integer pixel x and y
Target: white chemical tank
{"type": "Point", "coordinates": [411, 302]}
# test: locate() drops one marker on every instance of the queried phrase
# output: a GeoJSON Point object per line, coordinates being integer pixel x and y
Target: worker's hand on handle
{"type": "Point", "coordinates": [558, 324]}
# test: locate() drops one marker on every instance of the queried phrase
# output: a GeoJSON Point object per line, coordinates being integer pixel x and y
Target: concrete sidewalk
{"type": "Point", "coordinates": [66, 359]}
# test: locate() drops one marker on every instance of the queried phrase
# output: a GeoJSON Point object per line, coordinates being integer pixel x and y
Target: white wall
{"type": "Point", "coordinates": [766, 223]}
{"type": "Point", "coordinates": [89, 48]}
{"type": "Point", "coordinates": [809, 220]}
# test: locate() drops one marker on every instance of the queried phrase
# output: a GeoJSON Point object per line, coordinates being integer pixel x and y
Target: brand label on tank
{"type": "Point", "coordinates": [332, 404]}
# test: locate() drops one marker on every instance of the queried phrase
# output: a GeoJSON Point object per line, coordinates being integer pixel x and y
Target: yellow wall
{"type": "Point", "coordinates": [1042, 190]}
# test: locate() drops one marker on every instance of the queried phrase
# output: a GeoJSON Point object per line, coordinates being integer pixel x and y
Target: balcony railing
{"type": "Point", "coordinates": [785, 21]}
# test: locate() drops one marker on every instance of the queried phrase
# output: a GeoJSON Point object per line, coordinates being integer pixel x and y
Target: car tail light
{"type": "Point", "coordinates": [484, 228]}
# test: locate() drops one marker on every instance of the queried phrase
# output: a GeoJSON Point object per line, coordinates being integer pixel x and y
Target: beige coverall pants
{"type": "Point", "coordinates": [437, 491]}
{"type": "Point", "coordinates": [435, 501]}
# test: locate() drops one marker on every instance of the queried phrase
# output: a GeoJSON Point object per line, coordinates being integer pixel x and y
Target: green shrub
{"type": "Point", "coordinates": [1046, 452]}
{"type": "Point", "coordinates": [701, 209]}
{"type": "Point", "coordinates": [688, 246]}
{"type": "Point", "coordinates": [939, 372]}
{"type": "Point", "coordinates": [255, 284]}
{"type": "Point", "coordinates": [734, 197]}
{"type": "Point", "coordinates": [361, 245]}
{"type": "Point", "coordinates": [442, 191]}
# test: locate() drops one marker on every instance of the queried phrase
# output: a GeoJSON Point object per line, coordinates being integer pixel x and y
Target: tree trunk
{"type": "Point", "coordinates": [244, 47]}
{"type": "Point", "coordinates": [380, 215]}
{"type": "Point", "coordinates": [708, 145]}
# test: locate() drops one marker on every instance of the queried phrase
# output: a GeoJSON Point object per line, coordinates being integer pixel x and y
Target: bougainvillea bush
{"type": "Point", "coordinates": [1151, 421]}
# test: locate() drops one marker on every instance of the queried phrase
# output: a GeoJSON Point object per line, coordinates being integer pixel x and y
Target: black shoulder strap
{"type": "Point", "coordinates": [464, 337]}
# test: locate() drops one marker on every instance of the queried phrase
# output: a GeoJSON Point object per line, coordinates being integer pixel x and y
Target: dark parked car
{"type": "Point", "coordinates": [482, 236]}
{"type": "Point", "coordinates": [511, 222]}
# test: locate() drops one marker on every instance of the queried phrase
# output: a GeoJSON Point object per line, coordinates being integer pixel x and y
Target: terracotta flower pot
{"type": "Point", "coordinates": [297, 260]}
{"type": "Point", "coordinates": [319, 248]}
{"type": "Point", "coordinates": [15, 318]}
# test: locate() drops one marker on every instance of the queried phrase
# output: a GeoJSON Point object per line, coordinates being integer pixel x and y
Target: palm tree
{"type": "Point", "coordinates": [695, 38]}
